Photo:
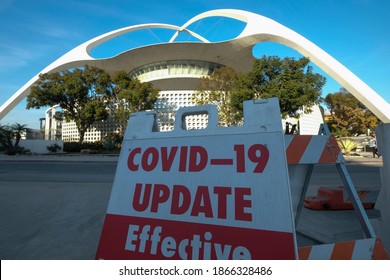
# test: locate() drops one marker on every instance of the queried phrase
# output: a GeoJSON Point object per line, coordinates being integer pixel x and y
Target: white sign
{"type": "Point", "coordinates": [217, 193]}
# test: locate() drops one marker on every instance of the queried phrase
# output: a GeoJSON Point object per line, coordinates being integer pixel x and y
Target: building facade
{"type": "Point", "coordinates": [168, 102]}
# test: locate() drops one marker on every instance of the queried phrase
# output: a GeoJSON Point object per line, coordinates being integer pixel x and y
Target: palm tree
{"type": "Point", "coordinates": [17, 130]}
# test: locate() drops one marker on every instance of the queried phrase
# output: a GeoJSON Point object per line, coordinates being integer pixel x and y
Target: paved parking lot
{"type": "Point", "coordinates": [53, 210]}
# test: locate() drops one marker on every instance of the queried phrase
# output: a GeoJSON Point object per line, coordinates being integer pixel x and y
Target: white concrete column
{"type": "Point", "coordinates": [382, 225]}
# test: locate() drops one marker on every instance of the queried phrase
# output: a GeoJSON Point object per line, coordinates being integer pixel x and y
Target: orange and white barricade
{"type": "Point", "coordinates": [303, 152]}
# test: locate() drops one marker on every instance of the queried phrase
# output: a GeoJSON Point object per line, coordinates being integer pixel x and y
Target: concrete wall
{"type": "Point", "coordinates": [40, 146]}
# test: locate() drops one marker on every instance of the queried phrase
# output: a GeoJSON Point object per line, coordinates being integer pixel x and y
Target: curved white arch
{"type": "Point", "coordinates": [258, 29]}
{"type": "Point", "coordinates": [262, 29]}
{"type": "Point", "coordinates": [80, 55]}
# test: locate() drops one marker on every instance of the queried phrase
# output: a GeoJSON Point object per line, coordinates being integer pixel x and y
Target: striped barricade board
{"type": "Point", "coordinates": [312, 149]}
{"type": "Point", "coordinates": [214, 193]}
{"type": "Point", "coordinates": [361, 249]}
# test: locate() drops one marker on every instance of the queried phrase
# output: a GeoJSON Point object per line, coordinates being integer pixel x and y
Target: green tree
{"type": "Point", "coordinates": [291, 80]}
{"type": "Point", "coordinates": [130, 95]}
{"type": "Point", "coordinates": [82, 93]}
{"type": "Point", "coordinates": [216, 89]}
{"type": "Point", "coordinates": [348, 116]}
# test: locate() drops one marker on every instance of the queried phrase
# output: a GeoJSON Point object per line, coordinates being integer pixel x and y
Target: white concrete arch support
{"type": "Point", "coordinates": [262, 29]}
{"type": "Point", "coordinates": [80, 56]}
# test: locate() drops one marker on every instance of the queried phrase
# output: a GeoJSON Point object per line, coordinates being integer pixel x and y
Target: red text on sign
{"type": "Point", "coordinates": [195, 158]}
{"type": "Point", "coordinates": [257, 153]}
{"type": "Point", "coordinates": [194, 161]}
{"type": "Point", "coordinates": [149, 197]}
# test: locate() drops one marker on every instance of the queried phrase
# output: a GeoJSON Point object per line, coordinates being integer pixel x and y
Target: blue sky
{"type": "Point", "coordinates": [35, 33]}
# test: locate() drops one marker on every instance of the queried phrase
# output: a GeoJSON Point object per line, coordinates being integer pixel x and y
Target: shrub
{"type": "Point", "coordinates": [54, 148]}
{"type": "Point", "coordinates": [347, 145]}
{"type": "Point", "coordinates": [72, 147]}
{"type": "Point", "coordinates": [22, 150]}
{"type": "Point", "coordinates": [113, 141]}
{"type": "Point", "coordinates": [75, 147]}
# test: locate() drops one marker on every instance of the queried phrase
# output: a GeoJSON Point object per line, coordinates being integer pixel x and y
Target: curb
{"type": "Point", "coordinates": [56, 158]}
